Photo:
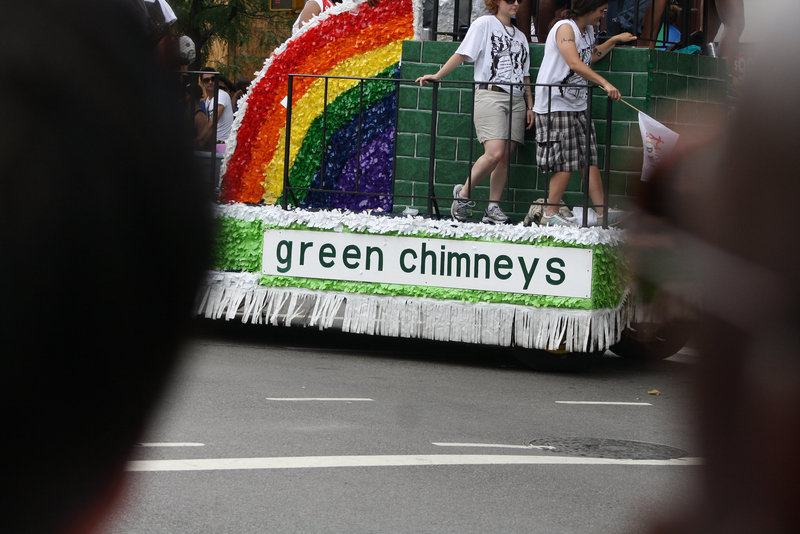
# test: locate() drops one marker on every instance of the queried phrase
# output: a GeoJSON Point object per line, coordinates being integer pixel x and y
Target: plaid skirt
{"type": "Point", "coordinates": [562, 148]}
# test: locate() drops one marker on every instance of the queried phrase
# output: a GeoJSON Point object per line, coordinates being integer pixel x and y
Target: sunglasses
{"type": "Point", "coordinates": [208, 80]}
{"type": "Point", "coordinates": [514, 1]}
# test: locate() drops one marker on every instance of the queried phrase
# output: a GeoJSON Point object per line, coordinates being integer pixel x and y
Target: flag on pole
{"type": "Point", "coordinates": [657, 141]}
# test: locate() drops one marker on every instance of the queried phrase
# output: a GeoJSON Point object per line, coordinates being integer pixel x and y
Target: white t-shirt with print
{"type": "Point", "coordinates": [500, 52]}
{"type": "Point", "coordinates": [554, 70]}
{"type": "Point", "coordinates": [225, 119]}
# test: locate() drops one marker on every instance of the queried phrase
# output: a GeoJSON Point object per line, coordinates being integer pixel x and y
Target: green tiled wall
{"type": "Point", "coordinates": [677, 89]}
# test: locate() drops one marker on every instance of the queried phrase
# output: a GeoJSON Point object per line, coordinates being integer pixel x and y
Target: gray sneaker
{"type": "Point", "coordinates": [460, 204]}
{"type": "Point", "coordinates": [556, 219]}
{"type": "Point", "coordinates": [494, 215]}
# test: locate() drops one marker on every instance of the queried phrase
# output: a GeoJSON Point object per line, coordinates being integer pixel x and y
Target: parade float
{"type": "Point", "coordinates": [310, 232]}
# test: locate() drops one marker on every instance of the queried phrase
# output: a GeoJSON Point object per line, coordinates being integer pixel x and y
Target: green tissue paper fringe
{"type": "Point", "coordinates": [238, 245]}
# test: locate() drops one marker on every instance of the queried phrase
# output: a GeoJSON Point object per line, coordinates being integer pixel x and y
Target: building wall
{"type": "Point", "coordinates": [682, 91]}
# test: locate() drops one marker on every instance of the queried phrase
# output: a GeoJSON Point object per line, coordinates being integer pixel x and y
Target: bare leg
{"type": "Point", "coordinates": [731, 13]}
{"type": "Point", "coordinates": [711, 26]}
{"type": "Point", "coordinates": [558, 184]}
{"type": "Point", "coordinates": [652, 23]}
{"type": "Point", "coordinates": [596, 189]}
{"type": "Point", "coordinates": [499, 177]}
{"type": "Point", "coordinates": [495, 151]}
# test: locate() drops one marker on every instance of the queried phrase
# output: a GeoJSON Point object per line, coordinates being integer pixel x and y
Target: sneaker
{"type": "Point", "coordinates": [494, 215]}
{"type": "Point", "coordinates": [460, 204]}
{"type": "Point", "coordinates": [535, 213]}
{"type": "Point", "coordinates": [556, 219]}
{"type": "Point", "coordinates": [615, 218]}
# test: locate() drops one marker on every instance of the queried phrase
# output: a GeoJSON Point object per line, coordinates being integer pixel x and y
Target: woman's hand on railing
{"type": "Point", "coordinates": [625, 37]}
{"type": "Point", "coordinates": [427, 78]}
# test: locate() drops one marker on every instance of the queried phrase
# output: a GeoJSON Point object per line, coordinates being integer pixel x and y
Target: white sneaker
{"type": "Point", "coordinates": [556, 219]}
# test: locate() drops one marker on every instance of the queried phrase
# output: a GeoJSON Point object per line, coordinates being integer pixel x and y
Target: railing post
{"type": "Point", "coordinates": [285, 196]}
{"type": "Point", "coordinates": [587, 158]}
{"type": "Point", "coordinates": [607, 161]}
{"type": "Point", "coordinates": [432, 156]}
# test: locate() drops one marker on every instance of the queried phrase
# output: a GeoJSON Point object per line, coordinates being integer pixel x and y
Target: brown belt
{"type": "Point", "coordinates": [492, 87]}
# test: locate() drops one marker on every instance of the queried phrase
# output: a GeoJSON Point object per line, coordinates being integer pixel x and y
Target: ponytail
{"type": "Point", "coordinates": [561, 14]}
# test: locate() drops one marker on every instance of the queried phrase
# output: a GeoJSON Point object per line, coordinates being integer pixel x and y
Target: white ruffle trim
{"type": "Point", "coordinates": [337, 220]}
{"type": "Point", "coordinates": [232, 295]}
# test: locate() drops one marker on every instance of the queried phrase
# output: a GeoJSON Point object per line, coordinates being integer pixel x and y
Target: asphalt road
{"type": "Point", "coordinates": [282, 430]}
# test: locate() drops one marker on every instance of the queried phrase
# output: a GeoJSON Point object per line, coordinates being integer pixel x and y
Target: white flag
{"type": "Point", "coordinates": [657, 140]}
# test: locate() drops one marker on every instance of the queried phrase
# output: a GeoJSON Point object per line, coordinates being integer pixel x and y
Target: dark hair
{"type": "Point", "coordinates": [104, 235]}
{"type": "Point", "coordinates": [194, 91]}
{"type": "Point", "coordinates": [580, 8]}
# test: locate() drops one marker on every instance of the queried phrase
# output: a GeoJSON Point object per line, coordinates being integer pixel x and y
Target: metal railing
{"type": "Point", "coordinates": [657, 22]}
{"type": "Point", "coordinates": [432, 201]}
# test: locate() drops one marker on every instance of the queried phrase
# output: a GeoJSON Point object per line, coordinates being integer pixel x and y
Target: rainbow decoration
{"type": "Point", "coordinates": [352, 147]}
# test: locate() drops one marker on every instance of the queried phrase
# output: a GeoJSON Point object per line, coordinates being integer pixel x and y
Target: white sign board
{"type": "Point", "coordinates": [450, 263]}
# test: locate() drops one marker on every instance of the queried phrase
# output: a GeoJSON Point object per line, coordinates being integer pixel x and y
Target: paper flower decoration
{"type": "Point", "coordinates": [352, 147]}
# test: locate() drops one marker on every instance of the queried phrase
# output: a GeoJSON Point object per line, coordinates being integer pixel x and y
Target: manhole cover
{"type": "Point", "coordinates": [607, 448]}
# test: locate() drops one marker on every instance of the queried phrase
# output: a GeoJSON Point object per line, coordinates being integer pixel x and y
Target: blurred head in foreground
{"type": "Point", "coordinates": [729, 211]}
{"type": "Point", "coordinates": [103, 234]}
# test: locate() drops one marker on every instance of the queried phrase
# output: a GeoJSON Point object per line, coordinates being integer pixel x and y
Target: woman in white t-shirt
{"type": "Point", "coordinates": [502, 66]}
{"type": "Point", "coordinates": [561, 93]}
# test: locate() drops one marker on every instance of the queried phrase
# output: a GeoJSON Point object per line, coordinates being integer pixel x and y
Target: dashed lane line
{"type": "Point", "coordinates": [306, 462]}
{"type": "Point", "coordinates": [319, 399]}
{"type": "Point", "coordinates": [606, 403]}
{"type": "Point", "coordinates": [172, 444]}
{"type": "Point", "coordinates": [493, 446]}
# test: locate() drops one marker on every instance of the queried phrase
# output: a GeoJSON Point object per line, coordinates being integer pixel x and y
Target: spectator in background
{"type": "Point", "coordinates": [198, 118]}
{"type": "Point", "coordinates": [645, 23]}
{"type": "Point", "coordinates": [670, 34]}
{"type": "Point", "coordinates": [224, 108]}
{"type": "Point", "coordinates": [104, 236]}
{"type": "Point", "coordinates": [240, 89]}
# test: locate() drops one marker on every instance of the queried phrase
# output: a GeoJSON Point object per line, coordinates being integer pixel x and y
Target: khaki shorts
{"type": "Point", "coordinates": [492, 116]}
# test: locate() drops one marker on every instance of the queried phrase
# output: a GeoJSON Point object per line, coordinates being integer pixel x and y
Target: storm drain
{"type": "Point", "coordinates": [607, 448]}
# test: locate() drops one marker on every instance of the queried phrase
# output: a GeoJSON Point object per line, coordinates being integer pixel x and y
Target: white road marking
{"type": "Point", "coordinates": [607, 403]}
{"type": "Point", "coordinates": [493, 446]}
{"type": "Point", "coordinates": [172, 444]}
{"type": "Point", "coordinates": [318, 399]}
{"type": "Point", "coordinates": [301, 462]}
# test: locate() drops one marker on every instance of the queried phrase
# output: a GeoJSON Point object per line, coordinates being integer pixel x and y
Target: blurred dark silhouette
{"type": "Point", "coordinates": [724, 217]}
{"type": "Point", "coordinates": [104, 236]}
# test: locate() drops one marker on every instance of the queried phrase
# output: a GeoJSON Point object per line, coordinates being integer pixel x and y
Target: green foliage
{"type": "Point", "coordinates": [238, 23]}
